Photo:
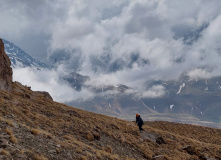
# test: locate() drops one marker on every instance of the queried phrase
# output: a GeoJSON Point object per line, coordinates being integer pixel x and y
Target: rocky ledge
{"type": "Point", "coordinates": [5, 70]}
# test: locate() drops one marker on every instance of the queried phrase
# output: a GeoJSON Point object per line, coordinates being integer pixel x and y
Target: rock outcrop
{"type": "Point", "coordinates": [5, 69]}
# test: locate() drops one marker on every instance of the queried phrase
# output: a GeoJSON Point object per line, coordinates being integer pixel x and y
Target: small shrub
{"type": "Point", "coordinates": [147, 154]}
{"type": "Point", "coordinates": [57, 150]}
{"type": "Point", "coordinates": [39, 157]}
{"type": "Point", "coordinates": [96, 135]}
{"type": "Point", "coordinates": [4, 152]}
{"type": "Point", "coordinates": [90, 136]}
{"type": "Point", "coordinates": [89, 155]}
{"type": "Point", "coordinates": [83, 158]}
{"type": "Point", "coordinates": [9, 122]}
{"type": "Point", "coordinates": [22, 151]}
{"type": "Point", "coordinates": [108, 149]}
{"type": "Point", "coordinates": [13, 139]}
{"type": "Point", "coordinates": [8, 131]}
{"type": "Point", "coordinates": [35, 131]}
{"type": "Point", "coordinates": [98, 155]}
{"type": "Point", "coordinates": [79, 150]}
{"type": "Point", "coordinates": [114, 157]}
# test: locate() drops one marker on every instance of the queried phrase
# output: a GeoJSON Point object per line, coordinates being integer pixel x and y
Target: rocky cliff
{"type": "Point", "coordinates": [5, 70]}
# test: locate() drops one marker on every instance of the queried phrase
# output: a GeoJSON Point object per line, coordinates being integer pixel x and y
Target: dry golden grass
{"type": "Point", "coordinates": [35, 131]}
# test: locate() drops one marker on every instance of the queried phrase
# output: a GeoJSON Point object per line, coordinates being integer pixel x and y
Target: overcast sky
{"type": "Point", "coordinates": [98, 38]}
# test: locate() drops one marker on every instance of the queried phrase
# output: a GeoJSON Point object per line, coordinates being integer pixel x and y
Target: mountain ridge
{"type": "Point", "coordinates": [20, 58]}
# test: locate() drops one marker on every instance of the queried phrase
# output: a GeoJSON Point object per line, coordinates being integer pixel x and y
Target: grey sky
{"type": "Point", "coordinates": [171, 36]}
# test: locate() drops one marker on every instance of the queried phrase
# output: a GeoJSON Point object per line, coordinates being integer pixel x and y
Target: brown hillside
{"type": "Point", "coordinates": [35, 127]}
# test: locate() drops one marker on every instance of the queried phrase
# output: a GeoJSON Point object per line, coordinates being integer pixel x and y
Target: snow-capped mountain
{"type": "Point", "coordinates": [19, 58]}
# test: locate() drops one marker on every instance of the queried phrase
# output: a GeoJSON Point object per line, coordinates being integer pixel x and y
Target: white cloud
{"type": "Point", "coordinates": [154, 92]}
{"type": "Point", "coordinates": [50, 81]}
{"type": "Point", "coordinates": [199, 73]}
{"type": "Point", "coordinates": [171, 36]}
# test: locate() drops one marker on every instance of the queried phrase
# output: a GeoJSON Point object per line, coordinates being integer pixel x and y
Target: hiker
{"type": "Point", "coordinates": [139, 122]}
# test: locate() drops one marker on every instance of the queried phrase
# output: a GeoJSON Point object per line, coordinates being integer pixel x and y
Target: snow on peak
{"type": "Point", "coordinates": [19, 58]}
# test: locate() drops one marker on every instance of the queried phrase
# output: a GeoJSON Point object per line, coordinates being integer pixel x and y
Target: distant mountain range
{"type": "Point", "coordinates": [191, 99]}
{"type": "Point", "coordinates": [21, 59]}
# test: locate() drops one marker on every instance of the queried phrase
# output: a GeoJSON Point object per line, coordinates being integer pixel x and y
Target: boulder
{"type": "Point", "coordinates": [45, 94]}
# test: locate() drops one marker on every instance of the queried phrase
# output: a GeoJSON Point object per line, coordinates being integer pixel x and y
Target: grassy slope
{"type": "Point", "coordinates": [38, 128]}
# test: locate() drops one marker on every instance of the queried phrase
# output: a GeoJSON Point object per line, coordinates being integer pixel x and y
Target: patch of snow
{"type": "Point", "coordinates": [109, 105]}
{"type": "Point", "coordinates": [171, 106]}
{"type": "Point", "coordinates": [206, 89]}
{"type": "Point", "coordinates": [181, 86]}
{"type": "Point", "coordinates": [7, 45]}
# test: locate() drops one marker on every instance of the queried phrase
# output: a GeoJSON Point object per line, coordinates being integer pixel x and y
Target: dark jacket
{"type": "Point", "coordinates": [139, 120]}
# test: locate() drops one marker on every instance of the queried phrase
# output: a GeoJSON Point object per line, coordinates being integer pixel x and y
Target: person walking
{"type": "Point", "coordinates": [139, 122]}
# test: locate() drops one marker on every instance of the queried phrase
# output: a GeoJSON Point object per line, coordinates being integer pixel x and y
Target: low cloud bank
{"type": "Point", "coordinates": [50, 81]}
